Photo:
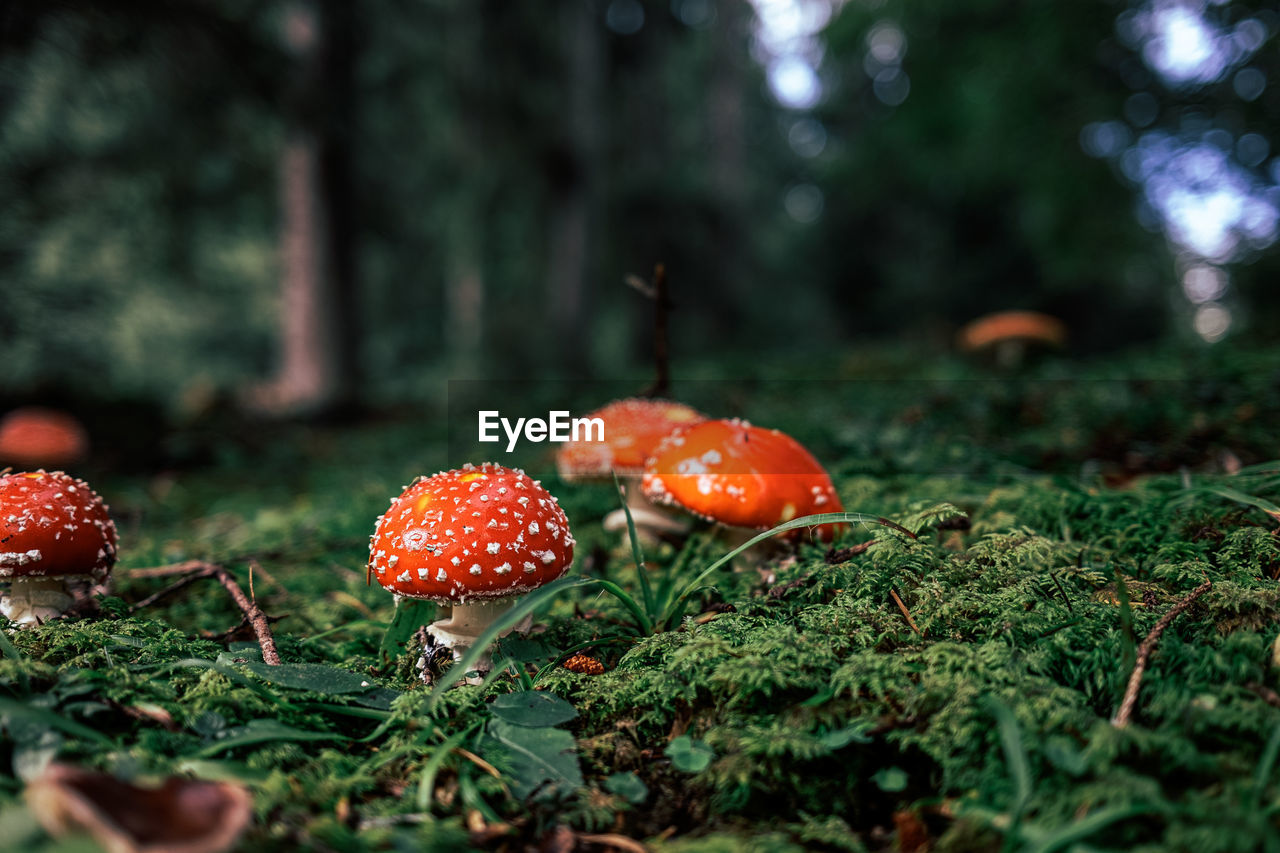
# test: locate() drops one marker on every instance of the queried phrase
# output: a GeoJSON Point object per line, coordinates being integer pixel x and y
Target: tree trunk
{"type": "Point", "coordinates": [317, 369]}
{"type": "Point", "coordinates": [572, 175]}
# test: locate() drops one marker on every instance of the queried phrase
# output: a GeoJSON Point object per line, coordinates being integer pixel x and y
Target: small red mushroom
{"type": "Point", "coordinates": [32, 437]}
{"type": "Point", "coordinates": [54, 531]}
{"type": "Point", "coordinates": [475, 538]}
{"type": "Point", "coordinates": [633, 428]}
{"type": "Point", "coordinates": [739, 475]}
{"type": "Point", "coordinates": [1007, 335]}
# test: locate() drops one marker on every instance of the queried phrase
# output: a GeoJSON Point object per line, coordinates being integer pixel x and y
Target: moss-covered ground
{"type": "Point", "coordinates": [952, 692]}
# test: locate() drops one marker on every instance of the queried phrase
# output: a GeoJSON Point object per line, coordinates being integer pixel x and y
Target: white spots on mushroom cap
{"type": "Point", "coordinates": [495, 498]}
{"type": "Point", "coordinates": [416, 539]}
{"type": "Point", "coordinates": [13, 559]}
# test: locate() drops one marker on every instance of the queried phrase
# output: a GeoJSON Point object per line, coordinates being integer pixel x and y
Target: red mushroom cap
{"type": "Point", "coordinates": [733, 473]}
{"type": "Point", "coordinates": [32, 437]}
{"type": "Point", "coordinates": [52, 524]}
{"type": "Point", "coordinates": [475, 532]}
{"type": "Point", "coordinates": [1012, 326]}
{"type": "Point", "coordinates": [632, 430]}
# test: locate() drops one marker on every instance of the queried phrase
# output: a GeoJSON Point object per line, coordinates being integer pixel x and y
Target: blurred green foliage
{"type": "Point", "coordinates": [139, 151]}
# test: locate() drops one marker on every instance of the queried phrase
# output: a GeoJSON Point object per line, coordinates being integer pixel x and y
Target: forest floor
{"type": "Point", "coordinates": [954, 691]}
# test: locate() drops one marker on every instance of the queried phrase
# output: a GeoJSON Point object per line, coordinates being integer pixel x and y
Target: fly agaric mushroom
{"type": "Point", "coordinates": [32, 437]}
{"type": "Point", "coordinates": [632, 430]}
{"type": "Point", "coordinates": [187, 815]}
{"type": "Point", "coordinates": [54, 531]}
{"type": "Point", "coordinates": [739, 475]}
{"type": "Point", "coordinates": [475, 538]}
{"type": "Point", "coordinates": [1008, 335]}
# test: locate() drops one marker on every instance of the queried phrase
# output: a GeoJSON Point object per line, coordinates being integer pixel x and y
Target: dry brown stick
{"type": "Point", "coordinates": [199, 569]}
{"type": "Point", "coordinates": [905, 612]}
{"type": "Point", "coordinates": [1266, 694]}
{"type": "Point", "coordinates": [1121, 719]}
{"type": "Point", "coordinates": [193, 576]}
{"type": "Point", "coordinates": [168, 571]}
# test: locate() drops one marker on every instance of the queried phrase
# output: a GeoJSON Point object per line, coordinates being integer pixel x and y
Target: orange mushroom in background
{"type": "Point", "coordinates": [1008, 335]}
{"type": "Point", "coordinates": [475, 539]}
{"type": "Point", "coordinates": [55, 534]}
{"type": "Point", "coordinates": [32, 437]}
{"type": "Point", "coordinates": [633, 429]}
{"type": "Point", "coordinates": [741, 476]}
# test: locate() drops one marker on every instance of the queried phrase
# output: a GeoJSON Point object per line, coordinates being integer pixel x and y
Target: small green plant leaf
{"type": "Point", "coordinates": [891, 780]}
{"type": "Point", "coordinates": [628, 786]}
{"type": "Point", "coordinates": [689, 755]}
{"type": "Point", "coordinates": [315, 677]}
{"type": "Point", "coordinates": [11, 710]}
{"type": "Point", "coordinates": [260, 731]}
{"type": "Point", "coordinates": [541, 761]}
{"type": "Point", "coordinates": [533, 708]}
{"type": "Point", "coordinates": [411, 614]}
{"type": "Point", "coordinates": [840, 738]}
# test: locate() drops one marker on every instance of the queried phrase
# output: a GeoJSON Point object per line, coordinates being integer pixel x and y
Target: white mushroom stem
{"type": "Point", "coordinates": [36, 599]}
{"type": "Point", "coordinates": [466, 622]}
{"type": "Point", "coordinates": [651, 521]}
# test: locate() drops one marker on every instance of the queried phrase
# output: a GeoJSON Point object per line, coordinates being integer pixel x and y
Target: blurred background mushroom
{"type": "Point", "coordinates": [633, 428]}
{"type": "Point", "coordinates": [266, 246]}
{"type": "Point", "coordinates": [1009, 336]}
{"type": "Point", "coordinates": [34, 437]}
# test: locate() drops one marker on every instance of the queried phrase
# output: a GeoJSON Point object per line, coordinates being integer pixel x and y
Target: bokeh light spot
{"type": "Point", "coordinates": [1212, 321]}
{"type": "Point", "coordinates": [794, 83]}
{"type": "Point", "coordinates": [892, 86]}
{"type": "Point", "coordinates": [624, 17]}
{"type": "Point", "coordinates": [803, 203]}
{"type": "Point", "coordinates": [807, 137]}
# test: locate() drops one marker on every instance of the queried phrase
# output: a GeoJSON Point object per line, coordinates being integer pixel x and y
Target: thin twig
{"type": "Point", "coordinates": [1266, 694]}
{"type": "Point", "coordinates": [1130, 700]}
{"type": "Point", "coordinates": [199, 569]}
{"type": "Point", "coordinates": [198, 574]}
{"type": "Point", "coordinates": [657, 293]}
{"type": "Point", "coordinates": [905, 612]}
{"type": "Point", "coordinates": [171, 570]}
{"type": "Point", "coordinates": [613, 839]}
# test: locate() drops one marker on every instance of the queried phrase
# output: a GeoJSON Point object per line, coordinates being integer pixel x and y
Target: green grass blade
{"type": "Point", "coordinates": [643, 623]}
{"type": "Point", "coordinates": [12, 653]}
{"type": "Point", "coordinates": [510, 619]}
{"type": "Point", "coordinates": [46, 717]}
{"type": "Point", "coordinates": [796, 523]}
{"type": "Point", "coordinates": [1263, 504]}
{"type": "Point", "coordinates": [573, 650]}
{"type": "Point", "coordinates": [1084, 827]}
{"type": "Point", "coordinates": [1015, 755]}
{"type": "Point", "coordinates": [427, 781]}
{"type": "Point", "coordinates": [637, 554]}
{"type": "Point", "coordinates": [1266, 763]}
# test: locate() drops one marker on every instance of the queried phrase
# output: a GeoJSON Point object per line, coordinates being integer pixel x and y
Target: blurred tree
{"type": "Point", "coordinates": [319, 328]}
{"type": "Point", "coordinates": [958, 185]}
